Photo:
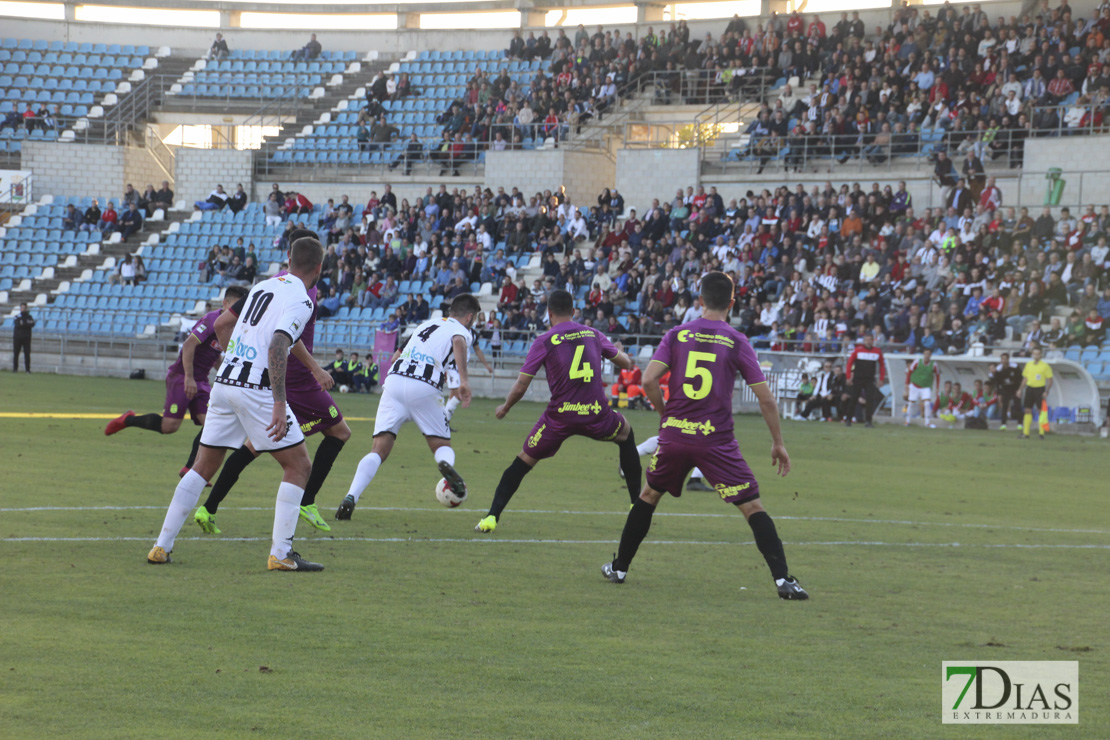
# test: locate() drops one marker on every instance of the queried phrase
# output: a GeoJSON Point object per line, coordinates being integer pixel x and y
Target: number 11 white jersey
{"type": "Point", "coordinates": [429, 350]}
{"type": "Point", "coordinates": [280, 304]}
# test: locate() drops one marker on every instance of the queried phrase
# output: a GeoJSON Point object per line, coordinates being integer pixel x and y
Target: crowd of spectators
{"type": "Point", "coordinates": [813, 269]}
{"type": "Point", "coordinates": [957, 80]}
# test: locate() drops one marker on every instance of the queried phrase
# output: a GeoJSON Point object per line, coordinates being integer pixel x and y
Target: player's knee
{"type": "Point", "coordinates": [169, 426]}
{"type": "Point", "coordinates": [340, 431]}
{"type": "Point", "coordinates": [650, 495]}
{"type": "Point", "coordinates": [747, 508]}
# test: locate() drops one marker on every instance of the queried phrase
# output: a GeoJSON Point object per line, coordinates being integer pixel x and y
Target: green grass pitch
{"type": "Point", "coordinates": [420, 628]}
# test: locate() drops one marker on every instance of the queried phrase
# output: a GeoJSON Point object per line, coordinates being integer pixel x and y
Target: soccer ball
{"type": "Point", "coordinates": [448, 497]}
{"type": "Point", "coordinates": [344, 388]}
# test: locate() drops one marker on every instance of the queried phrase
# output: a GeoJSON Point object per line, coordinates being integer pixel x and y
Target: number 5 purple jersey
{"type": "Point", "coordinates": [704, 357]}
{"type": "Point", "coordinates": [572, 356]}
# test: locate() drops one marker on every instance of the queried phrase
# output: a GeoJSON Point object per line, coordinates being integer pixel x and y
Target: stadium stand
{"type": "Point", "coordinates": [246, 73]}
{"type": "Point", "coordinates": [64, 82]}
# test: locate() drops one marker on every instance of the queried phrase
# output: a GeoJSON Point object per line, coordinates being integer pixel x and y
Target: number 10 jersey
{"type": "Point", "coordinates": [280, 304]}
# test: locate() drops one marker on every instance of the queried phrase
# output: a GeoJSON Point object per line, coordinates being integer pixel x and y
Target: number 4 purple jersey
{"type": "Point", "coordinates": [704, 357]}
{"type": "Point", "coordinates": [571, 354]}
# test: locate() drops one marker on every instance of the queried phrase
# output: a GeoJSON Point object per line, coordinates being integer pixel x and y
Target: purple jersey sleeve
{"type": "Point", "coordinates": [608, 349]}
{"type": "Point", "coordinates": [748, 363]}
{"type": "Point", "coordinates": [204, 330]}
{"type": "Point", "coordinates": [663, 351]}
{"type": "Point", "coordinates": [537, 353]}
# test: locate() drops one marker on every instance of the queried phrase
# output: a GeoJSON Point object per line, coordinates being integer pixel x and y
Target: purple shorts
{"type": "Point", "coordinates": [722, 465]}
{"type": "Point", "coordinates": [315, 409]}
{"type": "Point", "coordinates": [177, 402]}
{"type": "Point", "coordinates": [549, 433]}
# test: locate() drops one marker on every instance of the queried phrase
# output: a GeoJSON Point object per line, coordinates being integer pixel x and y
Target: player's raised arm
{"type": "Point", "coordinates": [322, 376]}
{"type": "Point", "coordinates": [459, 348]}
{"type": "Point", "coordinates": [769, 407]}
{"type": "Point", "coordinates": [655, 371]}
{"type": "Point", "coordinates": [188, 350]}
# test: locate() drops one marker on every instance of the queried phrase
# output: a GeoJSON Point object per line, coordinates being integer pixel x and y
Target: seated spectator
{"type": "Point", "coordinates": [12, 119]}
{"type": "Point", "coordinates": [308, 52]}
{"type": "Point", "coordinates": [414, 152]}
{"type": "Point", "coordinates": [219, 49]}
{"type": "Point", "coordinates": [273, 209]}
{"type": "Point", "coordinates": [1094, 329]}
{"type": "Point", "coordinates": [215, 201]}
{"type": "Point", "coordinates": [238, 199]}
{"type": "Point", "coordinates": [107, 223]}
{"type": "Point", "coordinates": [164, 196]}
{"type": "Point", "coordinates": [297, 204]}
{"type": "Point", "coordinates": [72, 218]}
{"type": "Point", "coordinates": [131, 221]}
{"type": "Point", "coordinates": [124, 273]}
{"type": "Point", "coordinates": [329, 306]}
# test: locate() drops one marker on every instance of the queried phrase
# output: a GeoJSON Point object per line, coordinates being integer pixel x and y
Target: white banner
{"type": "Point", "coordinates": [15, 186]}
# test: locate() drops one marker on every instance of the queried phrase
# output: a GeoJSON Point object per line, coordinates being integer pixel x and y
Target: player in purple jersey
{"type": "Point", "coordinates": [315, 410]}
{"type": "Point", "coordinates": [571, 354]}
{"type": "Point", "coordinates": [703, 358]}
{"type": "Point", "coordinates": [187, 385]}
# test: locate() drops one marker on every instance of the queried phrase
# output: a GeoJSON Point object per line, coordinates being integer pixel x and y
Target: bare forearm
{"type": "Point", "coordinates": [188, 352]}
{"type": "Point", "coordinates": [278, 361]}
{"type": "Point", "coordinates": [770, 410]}
{"type": "Point", "coordinates": [623, 361]}
{"type": "Point", "coordinates": [655, 394]}
{"type": "Point", "coordinates": [515, 394]}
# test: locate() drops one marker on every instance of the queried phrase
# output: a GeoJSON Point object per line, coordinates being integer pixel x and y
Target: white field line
{"type": "Point", "coordinates": [494, 540]}
{"type": "Point", "coordinates": [906, 522]}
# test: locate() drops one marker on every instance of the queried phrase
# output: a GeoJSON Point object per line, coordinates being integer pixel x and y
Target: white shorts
{"type": "Point", "coordinates": [404, 399]}
{"type": "Point", "coordinates": [920, 394]}
{"type": "Point", "coordinates": [453, 380]}
{"type": "Point", "coordinates": [238, 414]}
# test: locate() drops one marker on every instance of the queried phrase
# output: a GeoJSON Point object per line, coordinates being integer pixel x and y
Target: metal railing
{"type": "Point", "coordinates": [1069, 120]}
{"type": "Point", "coordinates": [701, 87]}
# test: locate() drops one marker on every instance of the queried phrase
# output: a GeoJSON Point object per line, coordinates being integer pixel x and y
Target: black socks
{"type": "Point", "coordinates": [630, 464]}
{"type": "Point", "coordinates": [150, 422]}
{"type": "Point", "coordinates": [321, 465]}
{"type": "Point", "coordinates": [193, 452]}
{"type": "Point", "coordinates": [235, 465]}
{"type": "Point", "coordinates": [510, 481]}
{"type": "Point", "coordinates": [769, 544]}
{"type": "Point", "coordinates": [635, 530]}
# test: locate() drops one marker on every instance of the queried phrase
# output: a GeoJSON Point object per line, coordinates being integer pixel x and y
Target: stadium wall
{"type": "Point", "coordinates": [645, 174]}
{"type": "Point", "coordinates": [583, 173]}
{"type": "Point", "coordinates": [199, 170]}
{"type": "Point", "coordinates": [1087, 154]}
{"type": "Point", "coordinates": [69, 169]}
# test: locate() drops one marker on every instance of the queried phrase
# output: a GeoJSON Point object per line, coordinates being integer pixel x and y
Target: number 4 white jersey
{"type": "Point", "coordinates": [280, 304]}
{"type": "Point", "coordinates": [429, 350]}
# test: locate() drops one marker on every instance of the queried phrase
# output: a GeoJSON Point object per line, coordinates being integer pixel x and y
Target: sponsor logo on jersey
{"type": "Point", "coordinates": [535, 438]}
{"type": "Point", "coordinates": [240, 349]}
{"type": "Point", "coordinates": [686, 335]}
{"type": "Point", "coordinates": [687, 426]}
{"type": "Point", "coordinates": [557, 339]}
{"type": "Point", "coordinates": [308, 425]}
{"type": "Point", "coordinates": [333, 411]}
{"type": "Point", "coordinates": [415, 356]}
{"type": "Point", "coordinates": [726, 491]}
{"type": "Point", "coordinates": [653, 463]}
{"type": "Point", "coordinates": [173, 408]}
{"type": "Point", "coordinates": [582, 409]}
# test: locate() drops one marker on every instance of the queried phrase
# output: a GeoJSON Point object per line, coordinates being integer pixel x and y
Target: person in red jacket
{"type": "Point", "coordinates": [865, 365]}
{"type": "Point", "coordinates": [630, 382]}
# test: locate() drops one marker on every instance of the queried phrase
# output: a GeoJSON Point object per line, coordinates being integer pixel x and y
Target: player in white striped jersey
{"type": "Point", "coordinates": [412, 391]}
{"type": "Point", "coordinates": [248, 403]}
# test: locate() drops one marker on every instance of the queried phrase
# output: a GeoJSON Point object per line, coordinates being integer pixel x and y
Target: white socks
{"type": "Point", "coordinates": [648, 446]}
{"type": "Point", "coordinates": [445, 454]}
{"type": "Point", "coordinates": [286, 510]}
{"type": "Point", "coordinates": [450, 406]}
{"type": "Point", "coordinates": [185, 497]}
{"type": "Point", "coordinates": [367, 469]}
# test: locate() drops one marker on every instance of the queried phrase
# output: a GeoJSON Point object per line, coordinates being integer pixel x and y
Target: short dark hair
{"type": "Point", "coordinates": [716, 291]}
{"type": "Point", "coordinates": [305, 254]}
{"type": "Point", "coordinates": [464, 304]}
{"type": "Point", "coordinates": [296, 234]}
{"type": "Point", "coordinates": [560, 303]}
{"type": "Point", "coordinates": [236, 291]}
